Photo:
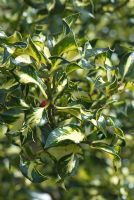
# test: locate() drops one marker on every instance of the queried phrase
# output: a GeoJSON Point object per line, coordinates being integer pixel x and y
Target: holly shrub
{"type": "Point", "coordinates": [66, 99]}
{"type": "Point", "coordinates": [58, 97]}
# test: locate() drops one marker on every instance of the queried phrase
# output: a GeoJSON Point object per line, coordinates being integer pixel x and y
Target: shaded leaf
{"type": "Point", "coordinates": [102, 124]}
{"type": "Point", "coordinates": [73, 110]}
{"type": "Point", "coordinates": [67, 165]}
{"type": "Point", "coordinates": [126, 66]}
{"type": "Point", "coordinates": [63, 150]}
{"type": "Point", "coordinates": [30, 171]}
{"type": "Point", "coordinates": [72, 67]}
{"type": "Point", "coordinates": [108, 149]}
{"type": "Point", "coordinates": [7, 84]}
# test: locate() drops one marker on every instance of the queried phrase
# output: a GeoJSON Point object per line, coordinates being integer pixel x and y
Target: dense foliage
{"type": "Point", "coordinates": [66, 99]}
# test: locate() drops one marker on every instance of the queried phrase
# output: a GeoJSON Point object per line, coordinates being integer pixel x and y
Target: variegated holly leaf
{"type": "Point", "coordinates": [66, 133]}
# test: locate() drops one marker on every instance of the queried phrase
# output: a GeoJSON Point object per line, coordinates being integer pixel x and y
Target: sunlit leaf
{"type": "Point", "coordinates": [67, 45]}
{"type": "Point", "coordinates": [63, 134]}
{"type": "Point", "coordinates": [37, 117]}
{"type": "Point", "coordinates": [27, 75]}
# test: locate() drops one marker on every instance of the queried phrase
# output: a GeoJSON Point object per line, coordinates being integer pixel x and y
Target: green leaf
{"type": "Point", "coordinates": [126, 66]}
{"type": "Point", "coordinates": [2, 35]}
{"type": "Point", "coordinates": [36, 117]}
{"type": "Point", "coordinates": [63, 150]}
{"type": "Point", "coordinates": [58, 62]}
{"type": "Point", "coordinates": [8, 84]}
{"type": "Point", "coordinates": [102, 124]}
{"type": "Point", "coordinates": [27, 74]}
{"type": "Point", "coordinates": [104, 147]}
{"type": "Point", "coordinates": [108, 149]}
{"type": "Point", "coordinates": [32, 50]}
{"type": "Point", "coordinates": [39, 4]}
{"type": "Point", "coordinates": [67, 165]}
{"type": "Point", "coordinates": [8, 51]}
{"type": "Point", "coordinates": [116, 163]}
{"type": "Point", "coordinates": [95, 52]}
{"type": "Point", "coordinates": [14, 117]}
{"type": "Point", "coordinates": [64, 134]}
{"type": "Point", "coordinates": [16, 37]}
{"type": "Point", "coordinates": [72, 67]}
{"type": "Point", "coordinates": [3, 94]}
{"type": "Point", "coordinates": [100, 59]}
{"type": "Point", "coordinates": [80, 95]}
{"type": "Point", "coordinates": [30, 171]}
{"type": "Point", "coordinates": [112, 86]}
{"type": "Point", "coordinates": [119, 132]}
{"type": "Point", "coordinates": [22, 59]}
{"type": "Point", "coordinates": [3, 130]}
{"type": "Point", "coordinates": [67, 45]}
{"type": "Point", "coordinates": [10, 115]}
{"type": "Point", "coordinates": [69, 21]}
{"type": "Point", "coordinates": [73, 110]}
